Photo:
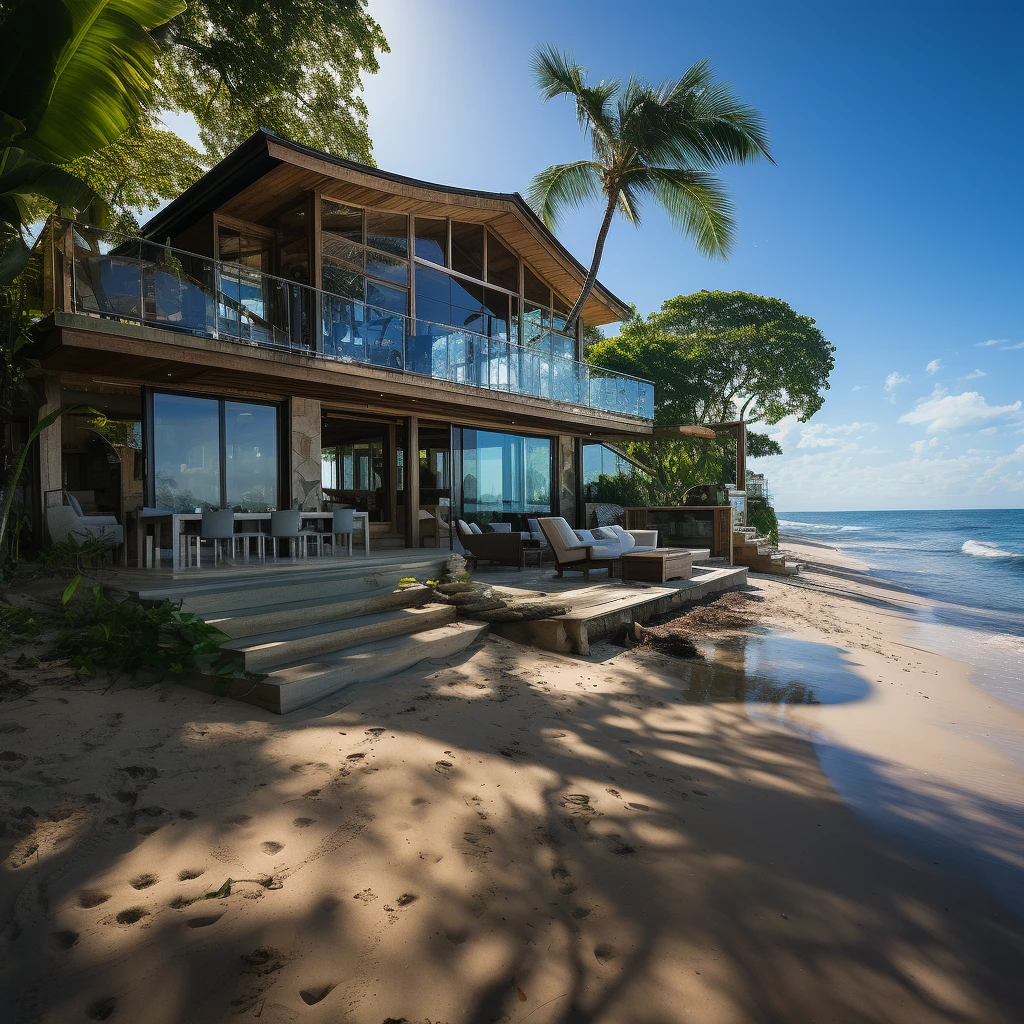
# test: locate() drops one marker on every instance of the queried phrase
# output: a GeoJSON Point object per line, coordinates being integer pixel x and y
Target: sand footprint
{"type": "Point", "coordinates": [303, 822]}
{"type": "Point", "coordinates": [101, 1009]}
{"type": "Point", "coordinates": [143, 881]}
{"type": "Point", "coordinates": [270, 847]}
{"type": "Point", "coordinates": [316, 993]}
{"type": "Point", "coordinates": [89, 898]}
{"type": "Point", "coordinates": [131, 915]}
{"type": "Point", "coordinates": [187, 874]}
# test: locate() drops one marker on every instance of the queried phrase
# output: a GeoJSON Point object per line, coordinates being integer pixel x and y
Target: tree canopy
{"type": "Point", "coordinates": [660, 142]}
{"type": "Point", "coordinates": [717, 357]}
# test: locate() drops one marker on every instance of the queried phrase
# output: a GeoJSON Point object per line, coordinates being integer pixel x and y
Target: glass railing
{"type": "Point", "coordinates": [136, 280]}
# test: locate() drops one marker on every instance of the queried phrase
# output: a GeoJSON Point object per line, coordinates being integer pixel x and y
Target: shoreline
{"type": "Point", "coordinates": [518, 835]}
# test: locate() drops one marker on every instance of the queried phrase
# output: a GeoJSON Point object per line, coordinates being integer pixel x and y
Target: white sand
{"type": "Point", "coordinates": [514, 836]}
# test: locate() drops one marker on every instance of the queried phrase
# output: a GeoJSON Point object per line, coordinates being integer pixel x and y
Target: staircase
{"type": "Point", "coordinates": [314, 633]}
{"type": "Point", "coordinates": [758, 553]}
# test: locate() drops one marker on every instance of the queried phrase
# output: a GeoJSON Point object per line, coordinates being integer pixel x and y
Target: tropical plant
{"type": "Point", "coordinates": [648, 141]}
{"type": "Point", "coordinates": [73, 77]}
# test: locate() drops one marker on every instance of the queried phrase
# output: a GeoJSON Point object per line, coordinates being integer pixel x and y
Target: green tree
{"type": "Point", "coordinates": [648, 141]}
{"type": "Point", "coordinates": [717, 357]}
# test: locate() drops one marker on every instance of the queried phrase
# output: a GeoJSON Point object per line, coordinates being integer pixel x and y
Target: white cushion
{"type": "Point", "coordinates": [626, 540]}
{"type": "Point", "coordinates": [585, 536]}
{"type": "Point", "coordinates": [606, 549]}
{"type": "Point", "coordinates": [464, 526]}
{"type": "Point", "coordinates": [74, 503]}
{"type": "Point", "coordinates": [474, 528]}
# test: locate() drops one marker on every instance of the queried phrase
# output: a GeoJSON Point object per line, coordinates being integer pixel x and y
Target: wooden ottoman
{"type": "Point", "coordinates": [658, 566]}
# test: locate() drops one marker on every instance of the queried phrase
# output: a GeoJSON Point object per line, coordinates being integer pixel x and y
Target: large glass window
{"type": "Point", "coordinates": [505, 474]}
{"type": "Point", "coordinates": [432, 240]}
{"type": "Point", "coordinates": [502, 265]}
{"type": "Point", "coordinates": [250, 456]}
{"type": "Point", "coordinates": [388, 232]}
{"type": "Point", "coordinates": [186, 452]}
{"type": "Point", "coordinates": [468, 249]}
{"type": "Point", "coordinates": [209, 452]}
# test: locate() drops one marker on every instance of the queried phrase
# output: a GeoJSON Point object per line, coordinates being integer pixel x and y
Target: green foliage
{"type": "Point", "coordinates": [659, 142]}
{"type": "Point", "coordinates": [131, 636]}
{"type": "Point", "coordinates": [718, 356]}
{"type": "Point", "coordinates": [66, 559]}
{"type": "Point", "coordinates": [761, 515]}
{"type": "Point", "coordinates": [624, 489]}
{"type": "Point", "coordinates": [18, 625]}
{"type": "Point", "coordinates": [292, 66]}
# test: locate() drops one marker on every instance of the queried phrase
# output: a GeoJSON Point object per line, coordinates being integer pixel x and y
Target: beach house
{"type": "Point", "coordinates": [300, 328]}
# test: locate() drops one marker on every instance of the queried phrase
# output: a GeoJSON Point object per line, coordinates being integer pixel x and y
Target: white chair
{"type": "Point", "coordinates": [64, 523]}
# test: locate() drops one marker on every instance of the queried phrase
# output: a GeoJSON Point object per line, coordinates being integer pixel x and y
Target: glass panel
{"type": "Point", "coordinates": [340, 323]}
{"type": "Point", "coordinates": [431, 309]}
{"type": "Point", "coordinates": [250, 456]}
{"type": "Point", "coordinates": [505, 474]}
{"type": "Point", "coordinates": [559, 305]}
{"type": "Point", "coordinates": [186, 452]}
{"type": "Point", "coordinates": [381, 296]}
{"type": "Point", "coordinates": [534, 289]}
{"type": "Point", "coordinates": [470, 319]}
{"type": "Point", "coordinates": [468, 249]}
{"type": "Point", "coordinates": [496, 306]}
{"type": "Point", "coordinates": [502, 265]}
{"type": "Point", "coordinates": [342, 220]}
{"type": "Point", "coordinates": [432, 284]}
{"type": "Point", "coordinates": [432, 240]}
{"type": "Point", "coordinates": [342, 281]}
{"type": "Point", "coordinates": [388, 232]}
{"type": "Point", "coordinates": [388, 268]}
{"type": "Point", "coordinates": [467, 295]}
{"type": "Point", "coordinates": [339, 249]}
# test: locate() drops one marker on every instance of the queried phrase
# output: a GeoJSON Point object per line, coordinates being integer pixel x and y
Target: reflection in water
{"type": "Point", "coordinates": [768, 668]}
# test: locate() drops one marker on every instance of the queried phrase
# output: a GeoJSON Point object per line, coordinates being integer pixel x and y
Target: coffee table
{"type": "Point", "coordinates": [661, 564]}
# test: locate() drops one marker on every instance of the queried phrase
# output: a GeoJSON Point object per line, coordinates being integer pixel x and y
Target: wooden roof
{"type": "Point", "coordinates": [266, 174]}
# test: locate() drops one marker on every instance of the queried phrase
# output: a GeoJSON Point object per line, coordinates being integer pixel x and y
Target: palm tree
{"type": "Point", "coordinates": [648, 140]}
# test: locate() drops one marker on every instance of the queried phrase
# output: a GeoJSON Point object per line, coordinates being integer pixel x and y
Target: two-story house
{"type": "Point", "coordinates": [296, 327]}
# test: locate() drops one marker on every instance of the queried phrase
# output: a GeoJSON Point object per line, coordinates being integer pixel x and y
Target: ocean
{"type": "Point", "coordinates": [970, 562]}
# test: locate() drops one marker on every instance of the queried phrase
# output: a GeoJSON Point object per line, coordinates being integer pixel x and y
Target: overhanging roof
{"type": "Point", "coordinates": [264, 172]}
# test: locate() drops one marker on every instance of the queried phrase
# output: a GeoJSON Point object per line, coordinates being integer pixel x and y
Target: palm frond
{"type": "Point", "coordinates": [697, 204]}
{"type": "Point", "coordinates": [557, 74]}
{"type": "Point", "coordinates": [563, 186]}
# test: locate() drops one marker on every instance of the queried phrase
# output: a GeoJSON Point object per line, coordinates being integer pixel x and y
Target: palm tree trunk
{"type": "Point", "coordinates": [588, 285]}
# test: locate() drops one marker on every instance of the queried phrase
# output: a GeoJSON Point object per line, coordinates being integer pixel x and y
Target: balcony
{"type": "Point", "coordinates": [134, 280]}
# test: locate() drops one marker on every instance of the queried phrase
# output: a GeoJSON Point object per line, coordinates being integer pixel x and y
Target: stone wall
{"type": "Point", "coordinates": [305, 449]}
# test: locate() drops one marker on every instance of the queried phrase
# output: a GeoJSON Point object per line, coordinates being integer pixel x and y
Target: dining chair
{"type": "Point", "coordinates": [343, 525]}
{"type": "Point", "coordinates": [286, 524]}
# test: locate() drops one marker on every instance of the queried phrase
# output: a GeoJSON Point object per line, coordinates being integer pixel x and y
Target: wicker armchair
{"type": "Point", "coordinates": [499, 548]}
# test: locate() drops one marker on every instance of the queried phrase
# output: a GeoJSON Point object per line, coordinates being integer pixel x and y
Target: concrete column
{"type": "Point", "coordinates": [305, 452]}
{"type": "Point", "coordinates": [412, 482]}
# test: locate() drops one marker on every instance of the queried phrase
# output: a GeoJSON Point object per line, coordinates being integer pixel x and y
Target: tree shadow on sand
{"type": "Point", "coordinates": [497, 838]}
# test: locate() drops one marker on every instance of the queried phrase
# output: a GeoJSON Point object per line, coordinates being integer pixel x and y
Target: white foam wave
{"type": "Point", "coordinates": [797, 527]}
{"type": "Point", "coordinates": [986, 549]}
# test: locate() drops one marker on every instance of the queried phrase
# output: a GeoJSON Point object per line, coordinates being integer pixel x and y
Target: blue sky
{"type": "Point", "coordinates": [892, 217]}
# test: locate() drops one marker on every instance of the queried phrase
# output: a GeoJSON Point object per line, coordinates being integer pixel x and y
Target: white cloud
{"type": "Point", "coordinates": [1012, 348]}
{"type": "Point", "coordinates": [858, 387]}
{"type": "Point", "coordinates": [933, 367]}
{"type": "Point", "coordinates": [821, 435]}
{"type": "Point", "coordinates": [990, 343]}
{"type": "Point", "coordinates": [892, 382]}
{"type": "Point", "coordinates": [952, 412]}
{"type": "Point", "coordinates": [975, 374]}
{"type": "Point", "coordinates": [920, 447]}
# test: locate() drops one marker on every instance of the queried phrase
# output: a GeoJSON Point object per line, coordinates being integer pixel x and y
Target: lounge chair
{"type": "Point", "coordinates": [64, 523]}
{"type": "Point", "coordinates": [579, 555]}
{"type": "Point", "coordinates": [500, 548]}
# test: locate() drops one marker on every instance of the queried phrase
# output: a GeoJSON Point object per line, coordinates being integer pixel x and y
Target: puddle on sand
{"type": "Point", "coordinates": [765, 667]}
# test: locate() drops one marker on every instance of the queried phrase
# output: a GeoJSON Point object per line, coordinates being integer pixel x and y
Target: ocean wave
{"type": "Point", "coordinates": [831, 527]}
{"type": "Point", "coordinates": [986, 549]}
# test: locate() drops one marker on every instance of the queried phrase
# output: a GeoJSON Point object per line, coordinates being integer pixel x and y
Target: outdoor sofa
{"type": "Point", "coordinates": [501, 548]}
{"type": "Point", "coordinates": [601, 548]}
{"type": "Point", "coordinates": [68, 522]}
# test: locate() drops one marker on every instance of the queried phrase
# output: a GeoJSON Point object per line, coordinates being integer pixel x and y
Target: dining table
{"type": "Point", "coordinates": [162, 520]}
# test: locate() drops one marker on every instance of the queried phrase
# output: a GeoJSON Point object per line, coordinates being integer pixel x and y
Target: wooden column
{"type": "Point", "coordinates": [50, 465]}
{"type": "Point", "coordinates": [412, 482]}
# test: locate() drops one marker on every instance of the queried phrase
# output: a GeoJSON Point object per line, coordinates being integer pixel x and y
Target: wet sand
{"type": "Point", "coordinates": [519, 836]}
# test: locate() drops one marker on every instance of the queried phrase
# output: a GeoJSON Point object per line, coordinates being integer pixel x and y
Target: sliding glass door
{"type": "Point", "coordinates": [212, 453]}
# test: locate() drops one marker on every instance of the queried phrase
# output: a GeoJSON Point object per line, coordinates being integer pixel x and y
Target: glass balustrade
{"type": "Point", "coordinates": [155, 285]}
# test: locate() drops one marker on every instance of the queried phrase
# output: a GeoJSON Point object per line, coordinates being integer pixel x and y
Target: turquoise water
{"type": "Point", "coordinates": [970, 562]}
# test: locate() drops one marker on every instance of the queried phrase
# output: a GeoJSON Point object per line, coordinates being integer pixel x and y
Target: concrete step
{"type": "Point", "coordinates": [272, 588]}
{"type": "Point", "coordinates": [299, 685]}
{"type": "Point", "coordinates": [246, 622]}
{"type": "Point", "coordinates": [267, 651]}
